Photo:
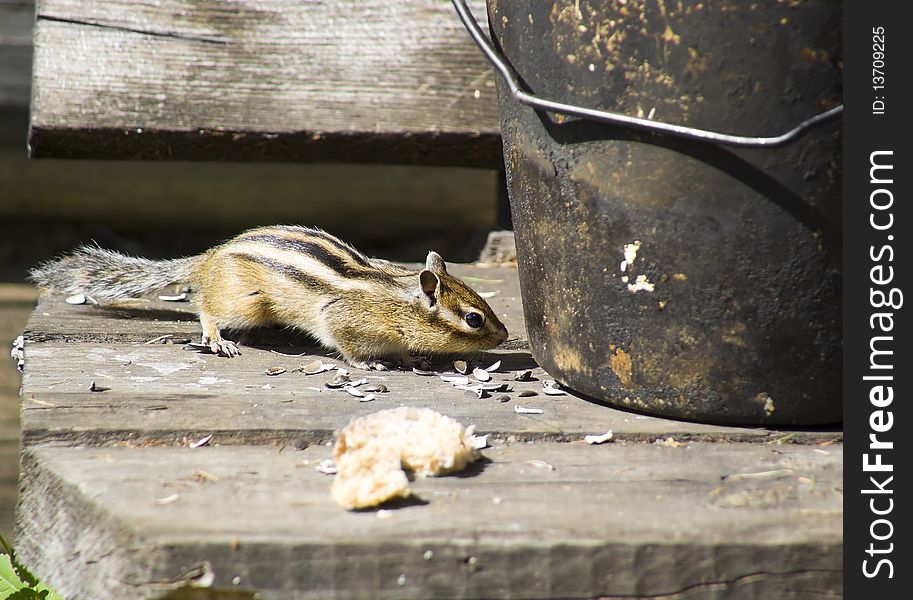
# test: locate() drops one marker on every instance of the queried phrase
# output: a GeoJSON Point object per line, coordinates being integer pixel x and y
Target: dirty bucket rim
{"type": "Point", "coordinates": [680, 131]}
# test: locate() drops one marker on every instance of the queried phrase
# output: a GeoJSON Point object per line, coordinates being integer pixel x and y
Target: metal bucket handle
{"type": "Point", "coordinates": [690, 133]}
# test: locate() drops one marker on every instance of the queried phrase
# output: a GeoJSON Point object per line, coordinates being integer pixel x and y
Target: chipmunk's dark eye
{"type": "Point", "coordinates": [474, 320]}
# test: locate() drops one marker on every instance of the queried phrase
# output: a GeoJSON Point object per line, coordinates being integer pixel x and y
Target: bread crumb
{"type": "Point", "coordinates": [371, 453]}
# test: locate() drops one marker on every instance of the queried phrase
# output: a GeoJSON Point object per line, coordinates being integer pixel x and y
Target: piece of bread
{"type": "Point", "coordinates": [371, 453]}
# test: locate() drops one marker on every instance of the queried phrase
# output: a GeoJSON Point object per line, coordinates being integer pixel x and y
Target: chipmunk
{"type": "Point", "coordinates": [367, 309]}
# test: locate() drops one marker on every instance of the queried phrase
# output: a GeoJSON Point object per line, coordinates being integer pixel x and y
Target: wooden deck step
{"type": "Point", "coordinates": [115, 502]}
{"type": "Point", "coordinates": [539, 520]}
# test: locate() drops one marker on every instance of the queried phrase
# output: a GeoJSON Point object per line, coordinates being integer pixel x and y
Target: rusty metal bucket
{"type": "Point", "coordinates": [664, 272]}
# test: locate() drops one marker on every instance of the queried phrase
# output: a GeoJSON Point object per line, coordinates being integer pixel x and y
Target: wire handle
{"type": "Point", "coordinates": [690, 133]}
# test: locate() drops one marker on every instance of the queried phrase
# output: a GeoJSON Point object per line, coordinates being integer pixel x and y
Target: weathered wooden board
{"type": "Point", "coordinates": [360, 81]}
{"type": "Point", "coordinates": [539, 520]}
{"type": "Point", "coordinates": [161, 393]}
{"type": "Point", "coordinates": [670, 509]}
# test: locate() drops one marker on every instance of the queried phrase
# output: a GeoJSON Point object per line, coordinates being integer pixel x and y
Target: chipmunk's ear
{"type": "Point", "coordinates": [435, 263]}
{"type": "Point", "coordinates": [431, 286]}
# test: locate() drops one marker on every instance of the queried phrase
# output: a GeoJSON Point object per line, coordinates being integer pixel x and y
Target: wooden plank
{"type": "Point", "coordinates": [714, 512]}
{"type": "Point", "coordinates": [262, 80]}
{"type": "Point", "coordinates": [160, 393]}
{"type": "Point", "coordinates": [619, 520]}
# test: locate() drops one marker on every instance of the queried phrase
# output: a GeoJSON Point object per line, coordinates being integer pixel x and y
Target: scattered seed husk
{"type": "Point", "coordinates": [527, 394]}
{"type": "Point", "coordinates": [479, 441]}
{"type": "Point", "coordinates": [327, 467]}
{"type": "Point", "coordinates": [202, 476]}
{"type": "Point", "coordinates": [316, 366]}
{"type": "Point", "coordinates": [182, 297]}
{"type": "Point", "coordinates": [494, 367]}
{"type": "Point", "coordinates": [522, 410]}
{"type": "Point", "coordinates": [159, 339]}
{"type": "Point", "coordinates": [284, 354]}
{"type": "Point", "coordinates": [301, 444]}
{"type": "Point", "coordinates": [379, 366]}
{"type": "Point", "coordinates": [94, 387]}
{"type": "Point", "coordinates": [599, 439]}
{"type": "Point", "coordinates": [167, 500]}
{"type": "Point", "coordinates": [422, 372]}
{"type": "Point", "coordinates": [487, 295]}
{"type": "Point", "coordinates": [455, 379]}
{"type": "Point", "coordinates": [481, 374]}
{"type": "Point", "coordinates": [774, 474]}
{"type": "Point", "coordinates": [353, 391]}
{"type": "Point", "coordinates": [18, 352]}
{"type": "Point", "coordinates": [76, 299]}
{"type": "Point", "coordinates": [541, 464]}
{"type": "Point", "coordinates": [376, 387]}
{"type": "Point", "coordinates": [504, 398]}
{"type": "Point", "coordinates": [495, 386]}
{"type": "Point", "coordinates": [670, 442]}
{"type": "Point", "coordinates": [524, 376]}
{"type": "Point", "coordinates": [340, 380]}
{"type": "Point", "coordinates": [550, 387]}
{"type": "Point", "coordinates": [273, 371]}
{"type": "Point", "coordinates": [201, 442]}
{"type": "Point", "coordinates": [367, 398]}
{"type": "Point", "coordinates": [477, 393]}
{"type": "Point", "coordinates": [359, 382]}
{"type": "Point", "coordinates": [460, 366]}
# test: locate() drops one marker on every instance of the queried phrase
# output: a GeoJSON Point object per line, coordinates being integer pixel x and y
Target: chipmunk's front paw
{"type": "Point", "coordinates": [225, 348]}
{"type": "Point", "coordinates": [221, 347]}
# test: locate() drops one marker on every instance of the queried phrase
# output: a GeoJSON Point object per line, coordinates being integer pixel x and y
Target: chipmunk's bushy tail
{"type": "Point", "coordinates": [108, 275]}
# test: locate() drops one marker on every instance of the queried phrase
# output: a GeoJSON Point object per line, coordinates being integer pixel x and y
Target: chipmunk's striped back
{"type": "Point", "coordinates": [313, 258]}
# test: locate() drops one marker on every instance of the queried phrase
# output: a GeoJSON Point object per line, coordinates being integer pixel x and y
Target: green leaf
{"type": "Point", "coordinates": [17, 582]}
{"type": "Point", "coordinates": [23, 573]}
{"type": "Point", "coordinates": [47, 593]}
{"type": "Point", "coordinates": [23, 594]}
{"type": "Point", "coordinates": [9, 581]}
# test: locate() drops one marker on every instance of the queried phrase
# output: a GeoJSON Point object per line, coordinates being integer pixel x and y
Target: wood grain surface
{"type": "Point", "coordinates": [544, 520]}
{"type": "Point", "coordinates": [262, 80]}
{"type": "Point", "coordinates": [160, 393]}
{"type": "Point", "coordinates": [668, 509]}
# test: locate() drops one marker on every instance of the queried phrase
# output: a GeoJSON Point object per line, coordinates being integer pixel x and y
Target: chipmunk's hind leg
{"type": "Point", "coordinates": [231, 298]}
{"type": "Point", "coordinates": [212, 337]}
